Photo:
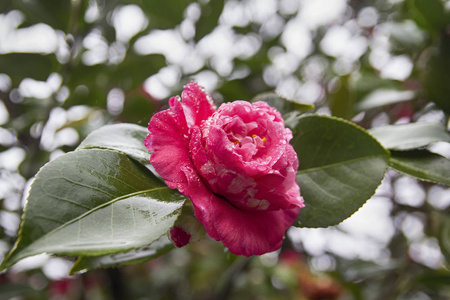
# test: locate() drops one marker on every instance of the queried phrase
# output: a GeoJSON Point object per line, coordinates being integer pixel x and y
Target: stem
{"type": "Point", "coordinates": [226, 283]}
{"type": "Point", "coordinates": [116, 284]}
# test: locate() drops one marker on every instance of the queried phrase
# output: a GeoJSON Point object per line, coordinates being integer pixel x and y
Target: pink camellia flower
{"type": "Point", "coordinates": [234, 163]}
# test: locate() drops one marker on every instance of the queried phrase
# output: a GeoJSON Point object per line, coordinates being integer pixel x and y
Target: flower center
{"type": "Point", "coordinates": [255, 139]}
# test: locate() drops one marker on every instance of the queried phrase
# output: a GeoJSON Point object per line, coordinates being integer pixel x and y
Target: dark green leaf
{"type": "Point", "coordinates": [282, 104]}
{"type": "Point", "coordinates": [55, 13]}
{"type": "Point", "coordinates": [133, 71]}
{"type": "Point", "coordinates": [9, 290]}
{"type": "Point", "coordinates": [126, 138]}
{"type": "Point", "coordinates": [27, 65]}
{"type": "Point", "coordinates": [433, 279]}
{"type": "Point", "coordinates": [209, 18]}
{"type": "Point", "coordinates": [164, 14]}
{"type": "Point", "coordinates": [410, 136]}
{"type": "Point", "coordinates": [341, 102]}
{"type": "Point", "coordinates": [429, 14]}
{"type": "Point", "coordinates": [157, 248]}
{"type": "Point", "coordinates": [437, 75]}
{"type": "Point", "coordinates": [444, 239]}
{"type": "Point", "coordinates": [422, 164]}
{"type": "Point", "coordinates": [92, 203]}
{"type": "Point", "coordinates": [341, 166]}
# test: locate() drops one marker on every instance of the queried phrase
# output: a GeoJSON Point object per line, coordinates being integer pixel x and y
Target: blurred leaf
{"type": "Point", "coordinates": [444, 240]}
{"type": "Point", "coordinates": [235, 90]}
{"type": "Point", "coordinates": [410, 136]}
{"type": "Point", "coordinates": [383, 97]}
{"type": "Point", "coordinates": [133, 71]}
{"type": "Point", "coordinates": [429, 14]}
{"type": "Point", "coordinates": [422, 165]}
{"type": "Point", "coordinates": [406, 34]}
{"type": "Point", "coordinates": [433, 279]}
{"type": "Point", "coordinates": [209, 18]}
{"type": "Point", "coordinates": [27, 65]}
{"type": "Point", "coordinates": [282, 104]}
{"type": "Point", "coordinates": [341, 166]}
{"type": "Point", "coordinates": [91, 84]}
{"type": "Point", "coordinates": [164, 14]}
{"type": "Point", "coordinates": [363, 270]}
{"type": "Point", "coordinates": [55, 13]}
{"type": "Point", "coordinates": [341, 102]}
{"type": "Point", "coordinates": [91, 203]}
{"type": "Point", "coordinates": [10, 291]}
{"type": "Point", "coordinates": [437, 75]}
{"type": "Point", "coordinates": [126, 138]}
{"type": "Point", "coordinates": [157, 248]}
{"type": "Point", "coordinates": [139, 107]}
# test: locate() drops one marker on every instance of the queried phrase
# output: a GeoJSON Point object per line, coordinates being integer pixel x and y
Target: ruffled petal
{"type": "Point", "coordinates": [197, 104]}
{"type": "Point", "coordinates": [168, 140]}
{"type": "Point", "coordinates": [251, 232]}
{"type": "Point", "coordinates": [201, 198]}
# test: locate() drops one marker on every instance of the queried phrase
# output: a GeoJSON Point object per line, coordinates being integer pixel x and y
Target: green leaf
{"type": "Point", "coordinates": [27, 65]}
{"type": "Point", "coordinates": [135, 69]}
{"type": "Point", "coordinates": [383, 97]}
{"type": "Point", "coordinates": [407, 35]}
{"type": "Point", "coordinates": [342, 101]}
{"type": "Point", "coordinates": [437, 74]}
{"type": "Point", "coordinates": [422, 165]}
{"type": "Point", "coordinates": [433, 279]}
{"type": "Point", "coordinates": [55, 13]}
{"type": "Point", "coordinates": [164, 14]}
{"type": "Point", "coordinates": [341, 166]}
{"type": "Point", "coordinates": [20, 290]}
{"type": "Point", "coordinates": [444, 240]}
{"type": "Point", "coordinates": [410, 136]}
{"type": "Point", "coordinates": [123, 137]}
{"type": "Point", "coordinates": [282, 104]}
{"type": "Point", "coordinates": [91, 203]}
{"type": "Point", "coordinates": [209, 18]}
{"type": "Point", "coordinates": [157, 248]}
{"type": "Point", "coordinates": [429, 14]}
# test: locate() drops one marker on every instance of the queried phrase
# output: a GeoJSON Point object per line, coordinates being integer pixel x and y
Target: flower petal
{"type": "Point", "coordinates": [197, 104]}
{"type": "Point", "coordinates": [168, 140]}
{"type": "Point", "coordinates": [251, 232]}
{"type": "Point", "coordinates": [201, 197]}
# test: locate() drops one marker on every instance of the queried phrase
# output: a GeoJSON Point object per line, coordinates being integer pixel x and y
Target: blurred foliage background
{"type": "Point", "coordinates": [68, 67]}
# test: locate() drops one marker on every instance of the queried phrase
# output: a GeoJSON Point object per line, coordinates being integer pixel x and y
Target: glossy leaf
{"type": "Point", "coordinates": [91, 203]}
{"type": "Point", "coordinates": [283, 104]}
{"type": "Point", "coordinates": [126, 138]}
{"type": "Point", "coordinates": [383, 97]}
{"type": "Point", "coordinates": [341, 166]}
{"type": "Point", "coordinates": [410, 136]}
{"type": "Point", "coordinates": [422, 164]}
{"type": "Point", "coordinates": [157, 248]}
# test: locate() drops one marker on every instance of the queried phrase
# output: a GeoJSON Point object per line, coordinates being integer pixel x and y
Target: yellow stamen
{"type": "Point", "coordinates": [236, 142]}
{"type": "Point", "coordinates": [264, 140]}
{"type": "Point", "coordinates": [253, 136]}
